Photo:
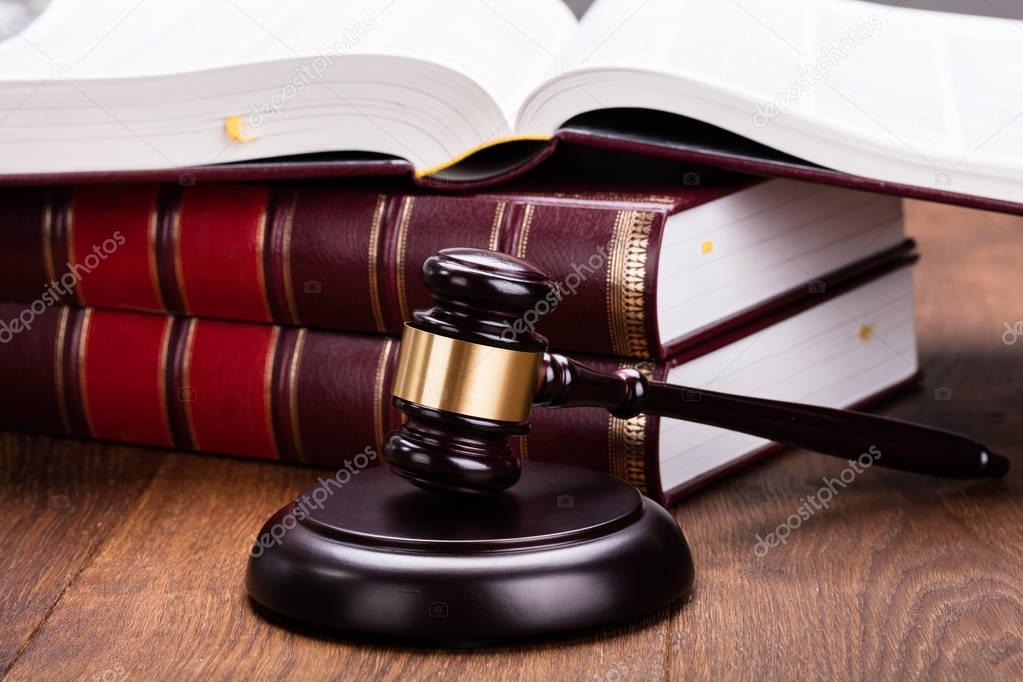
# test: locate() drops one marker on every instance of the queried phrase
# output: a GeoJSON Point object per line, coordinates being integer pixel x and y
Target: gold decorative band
{"type": "Point", "coordinates": [627, 439]}
{"type": "Point", "coordinates": [465, 378]}
{"type": "Point", "coordinates": [626, 284]}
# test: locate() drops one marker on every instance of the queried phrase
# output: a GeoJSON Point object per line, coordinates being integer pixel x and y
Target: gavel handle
{"type": "Point", "coordinates": [892, 443]}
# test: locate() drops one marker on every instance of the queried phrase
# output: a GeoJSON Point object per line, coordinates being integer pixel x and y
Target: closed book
{"type": "Point", "coordinates": [639, 275]}
{"type": "Point", "coordinates": [319, 397]}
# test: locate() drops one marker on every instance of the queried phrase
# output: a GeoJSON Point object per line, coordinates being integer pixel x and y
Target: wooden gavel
{"type": "Point", "coordinates": [467, 382]}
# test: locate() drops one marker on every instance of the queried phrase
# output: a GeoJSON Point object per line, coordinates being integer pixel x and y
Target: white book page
{"type": "Point", "coordinates": [506, 47]}
{"type": "Point", "coordinates": [716, 41]}
{"type": "Point", "coordinates": [925, 98]}
{"type": "Point", "coordinates": [926, 82]}
{"type": "Point", "coordinates": [729, 256]}
{"type": "Point", "coordinates": [123, 84]}
{"type": "Point", "coordinates": [836, 354]}
{"type": "Point", "coordinates": [945, 88]}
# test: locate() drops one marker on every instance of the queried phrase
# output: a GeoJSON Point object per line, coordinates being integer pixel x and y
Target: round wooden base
{"type": "Point", "coordinates": [564, 549]}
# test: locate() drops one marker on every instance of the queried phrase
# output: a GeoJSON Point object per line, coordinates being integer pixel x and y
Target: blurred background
{"type": "Point", "coordinates": [16, 14]}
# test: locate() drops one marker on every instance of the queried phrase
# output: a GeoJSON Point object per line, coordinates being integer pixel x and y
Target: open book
{"type": "Point", "coordinates": [905, 96]}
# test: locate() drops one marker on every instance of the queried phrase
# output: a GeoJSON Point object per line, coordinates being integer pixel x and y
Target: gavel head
{"type": "Point", "coordinates": [467, 372]}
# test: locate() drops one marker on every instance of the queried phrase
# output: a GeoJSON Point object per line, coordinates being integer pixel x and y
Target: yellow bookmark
{"type": "Point", "coordinates": [233, 128]}
{"type": "Point", "coordinates": [478, 148]}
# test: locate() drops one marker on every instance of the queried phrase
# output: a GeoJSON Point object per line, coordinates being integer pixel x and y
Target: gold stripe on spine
{"type": "Point", "coordinates": [186, 380]}
{"type": "Point", "coordinates": [406, 216]}
{"type": "Point", "coordinates": [527, 223]}
{"type": "Point", "coordinates": [614, 196]}
{"type": "Point", "coordinates": [465, 378]}
{"type": "Point", "coordinates": [161, 377]}
{"type": "Point", "coordinates": [268, 384]}
{"type": "Point", "coordinates": [72, 258]}
{"type": "Point", "coordinates": [179, 270]}
{"type": "Point", "coordinates": [58, 371]}
{"type": "Point", "coordinates": [151, 230]}
{"type": "Point", "coordinates": [626, 281]}
{"type": "Point", "coordinates": [261, 264]}
{"type": "Point", "coordinates": [374, 248]}
{"type": "Point", "coordinates": [293, 370]}
{"type": "Point", "coordinates": [83, 347]}
{"type": "Point", "coordinates": [289, 289]}
{"type": "Point", "coordinates": [627, 441]}
{"type": "Point", "coordinates": [47, 228]}
{"type": "Point", "coordinates": [378, 394]}
{"type": "Point", "coordinates": [495, 228]}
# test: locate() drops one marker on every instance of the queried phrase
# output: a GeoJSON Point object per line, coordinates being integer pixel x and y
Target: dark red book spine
{"type": "Point", "coordinates": [282, 393]}
{"type": "Point", "coordinates": [253, 390]}
{"type": "Point", "coordinates": [330, 259]}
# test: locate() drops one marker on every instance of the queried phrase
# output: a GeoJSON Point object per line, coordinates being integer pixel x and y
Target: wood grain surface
{"type": "Point", "coordinates": [125, 563]}
{"type": "Point", "coordinates": [58, 501]}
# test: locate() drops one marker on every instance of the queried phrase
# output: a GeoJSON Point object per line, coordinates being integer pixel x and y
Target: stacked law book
{"type": "Point", "coordinates": [261, 320]}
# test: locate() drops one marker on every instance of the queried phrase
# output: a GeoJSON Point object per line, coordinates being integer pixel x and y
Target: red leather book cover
{"type": "Point", "coordinates": [325, 258]}
{"type": "Point", "coordinates": [680, 140]}
{"type": "Point", "coordinates": [253, 390]}
{"type": "Point", "coordinates": [730, 152]}
{"type": "Point", "coordinates": [277, 393]}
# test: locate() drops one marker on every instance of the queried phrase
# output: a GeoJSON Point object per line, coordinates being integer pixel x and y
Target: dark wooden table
{"type": "Point", "coordinates": [120, 562]}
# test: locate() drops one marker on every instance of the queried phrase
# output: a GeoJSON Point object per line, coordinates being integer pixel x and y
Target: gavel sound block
{"type": "Point", "coordinates": [482, 547]}
{"type": "Point", "coordinates": [561, 549]}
